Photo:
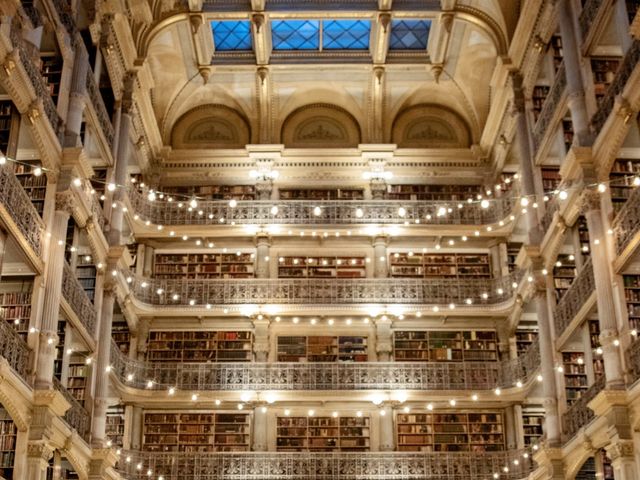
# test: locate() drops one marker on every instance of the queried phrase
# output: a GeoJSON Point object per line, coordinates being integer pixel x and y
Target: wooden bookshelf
{"type": "Point", "coordinates": [550, 178]}
{"type": "Point", "coordinates": [532, 422]}
{"type": "Point", "coordinates": [538, 97]}
{"type": "Point", "coordinates": [322, 348]}
{"type": "Point", "coordinates": [15, 308]}
{"type": "Point", "coordinates": [211, 192]}
{"type": "Point", "coordinates": [445, 346]}
{"type": "Point", "coordinates": [196, 432]}
{"type": "Point", "coordinates": [323, 434]}
{"type": "Point", "coordinates": [604, 72]}
{"type": "Point", "coordinates": [115, 425]}
{"type": "Point", "coordinates": [433, 192]}
{"type": "Point", "coordinates": [632, 298]}
{"type": "Point", "coordinates": [513, 249]}
{"type": "Point", "coordinates": [567, 132]}
{"type": "Point", "coordinates": [575, 375]}
{"type": "Point", "coordinates": [86, 273]}
{"type": "Point", "coordinates": [621, 181]}
{"type": "Point", "coordinates": [35, 187]}
{"type": "Point", "coordinates": [321, 194]}
{"type": "Point", "coordinates": [564, 272]}
{"type": "Point", "coordinates": [594, 334]}
{"type": "Point", "coordinates": [525, 336]}
{"type": "Point", "coordinates": [557, 52]}
{"type": "Point", "coordinates": [51, 70]}
{"type": "Point", "coordinates": [9, 127]}
{"type": "Point", "coordinates": [447, 265]}
{"type": "Point", "coordinates": [449, 432]}
{"type": "Point", "coordinates": [8, 435]}
{"type": "Point", "coordinates": [598, 466]}
{"type": "Point", "coordinates": [121, 336]}
{"type": "Point", "coordinates": [200, 346]}
{"type": "Point", "coordinates": [78, 375]}
{"type": "Point", "coordinates": [60, 350]}
{"type": "Point", "coordinates": [169, 266]}
{"type": "Point", "coordinates": [328, 266]}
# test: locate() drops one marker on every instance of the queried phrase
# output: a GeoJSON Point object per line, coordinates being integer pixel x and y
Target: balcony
{"type": "Point", "coordinates": [19, 215]}
{"type": "Point", "coordinates": [592, 13]}
{"type": "Point", "coordinates": [550, 108]}
{"type": "Point", "coordinates": [633, 360]}
{"type": "Point", "coordinates": [579, 414]}
{"type": "Point", "coordinates": [626, 227]}
{"type": "Point", "coordinates": [577, 301]}
{"type": "Point", "coordinates": [426, 376]}
{"type": "Point", "coordinates": [322, 212]}
{"type": "Point", "coordinates": [14, 350]}
{"type": "Point", "coordinates": [76, 417]}
{"type": "Point", "coordinates": [78, 301]}
{"type": "Point", "coordinates": [325, 466]}
{"type": "Point", "coordinates": [465, 293]}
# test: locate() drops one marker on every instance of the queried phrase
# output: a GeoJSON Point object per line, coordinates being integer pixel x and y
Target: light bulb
{"type": "Point", "coordinates": [3, 160]}
{"type": "Point", "coordinates": [233, 203]}
{"type": "Point", "coordinates": [317, 211]}
{"type": "Point", "coordinates": [274, 210]}
{"type": "Point", "coordinates": [602, 187]}
{"type": "Point", "coordinates": [359, 213]}
{"type": "Point", "coordinates": [563, 195]}
{"type": "Point", "coordinates": [402, 212]}
{"type": "Point", "coordinates": [484, 203]}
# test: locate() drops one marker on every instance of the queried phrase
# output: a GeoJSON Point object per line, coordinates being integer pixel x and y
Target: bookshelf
{"type": "Point", "coordinates": [604, 72]}
{"type": "Point", "coordinates": [9, 127]}
{"type": "Point", "coordinates": [8, 435]}
{"type": "Point", "coordinates": [567, 132]}
{"type": "Point", "coordinates": [583, 233]}
{"type": "Point", "coordinates": [588, 470]}
{"type": "Point", "coordinates": [550, 178]}
{"type": "Point", "coordinates": [564, 271]}
{"type": "Point", "coordinates": [525, 336]}
{"type": "Point", "coordinates": [15, 308]}
{"type": "Point", "coordinates": [195, 432]}
{"type": "Point", "coordinates": [575, 375]}
{"type": "Point", "coordinates": [557, 53]}
{"type": "Point", "coordinates": [538, 97]}
{"type": "Point", "coordinates": [323, 434]}
{"type": "Point", "coordinates": [35, 187]}
{"type": "Point", "coordinates": [632, 298]}
{"type": "Point", "coordinates": [77, 376]}
{"type": "Point", "coordinates": [86, 273]}
{"type": "Point", "coordinates": [444, 346]}
{"type": "Point", "coordinates": [200, 346]}
{"type": "Point", "coordinates": [532, 421]}
{"type": "Point", "coordinates": [452, 265]}
{"type": "Point", "coordinates": [594, 335]}
{"type": "Point", "coordinates": [51, 70]}
{"type": "Point", "coordinates": [433, 192]}
{"type": "Point", "coordinates": [121, 336]}
{"type": "Point", "coordinates": [60, 350]}
{"type": "Point", "coordinates": [322, 267]}
{"type": "Point", "coordinates": [169, 266]}
{"type": "Point", "coordinates": [212, 192]}
{"type": "Point", "coordinates": [115, 425]}
{"type": "Point", "coordinates": [621, 181]}
{"type": "Point", "coordinates": [322, 349]}
{"type": "Point", "coordinates": [449, 432]}
{"type": "Point", "coordinates": [513, 249]}
{"type": "Point", "coordinates": [98, 182]}
{"type": "Point", "coordinates": [321, 194]}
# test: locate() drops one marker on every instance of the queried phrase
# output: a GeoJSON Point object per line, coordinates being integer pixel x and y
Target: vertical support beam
{"type": "Point", "coordinates": [260, 433]}
{"type": "Point", "coordinates": [263, 259]}
{"type": "Point", "coordinates": [380, 263]}
{"type": "Point", "coordinates": [261, 339]}
{"type": "Point", "coordinates": [38, 455]}
{"type": "Point", "coordinates": [265, 88]}
{"type": "Point", "coordinates": [384, 346]}
{"type": "Point", "coordinates": [387, 436]}
{"type": "Point", "coordinates": [77, 97]}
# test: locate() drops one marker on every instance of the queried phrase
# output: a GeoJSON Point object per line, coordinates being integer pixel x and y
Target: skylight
{"type": "Point", "coordinates": [231, 35]}
{"type": "Point", "coordinates": [350, 34]}
{"type": "Point", "coordinates": [295, 34]}
{"type": "Point", "coordinates": [409, 34]}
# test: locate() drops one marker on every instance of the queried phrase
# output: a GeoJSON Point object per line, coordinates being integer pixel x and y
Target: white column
{"type": "Point", "coordinates": [77, 97]}
{"type": "Point", "coordinates": [623, 460]}
{"type": "Point", "coordinates": [384, 337]}
{"type": "Point", "coordinates": [378, 189]}
{"type": "Point", "coordinates": [260, 428]}
{"type": "Point", "coordinates": [261, 339]}
{"type": "Point", "coordinates": [38, 455]}
{"type": "Point", "coordinates": [263, 246]}
{"type": "Point", "coordinates": [387, 436]}
{"type": "Point", "coordinates": [380, 260]}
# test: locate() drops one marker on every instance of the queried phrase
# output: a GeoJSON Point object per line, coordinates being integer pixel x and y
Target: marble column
{"type": "Point", "coordinates": [260, 433]}
{"type": "Point", "coordinates": [380, 261]}
{"type": "Point", "coordinates": [3, 246]}
{"type": "Point", "coordinates": [263, 245]}
{"type": "Point", "coordinates": [384, 336]}
{"type": "Point", "coordinates": [38, 455]}
{"type": "Point", "coordinates": [387, 435]}
{"type": "Point", "coordinates": [261, 339]}
{"type": "Point", "coordinates": [77, 97]}
{"type": "Point", "coordinates": [378, 189]}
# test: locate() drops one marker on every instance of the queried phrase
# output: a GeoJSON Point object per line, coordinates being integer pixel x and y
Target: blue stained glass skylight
{"type": "Point", "coordinates": [295, 34]}
{"type": "Point", "coordinates": [346, 34]}
{"type": "Point", "coordinates": [231, 35]}
{"type": "Point", "coordinates": [409, 34]}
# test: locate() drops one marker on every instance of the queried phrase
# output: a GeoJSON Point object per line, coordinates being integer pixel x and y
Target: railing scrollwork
{"type": "Point", "coordinates": [627, 223]}
{"type": "Point", "coordinates": [579, 414]}
{"type": "Point", "coordinates": [574, 298]}
{"type": "Point", "coordinates": [14, 349]}
{"type": "Point", "coordinates": [551, 104]}
{"type": "Point", "coordinates": [76, 417]}
{"type": "Point", "coordinates": [78, 300]}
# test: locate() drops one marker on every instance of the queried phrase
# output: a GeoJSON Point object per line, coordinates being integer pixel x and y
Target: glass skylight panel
{"type": "Point", "coordinates": [350, 34]}
{"type": "Point", "coordinates": [409, 34]}
{"type": "Point", "coordinates": [295, 34]}
{"type": "Point", "coordinates": [231, 35]}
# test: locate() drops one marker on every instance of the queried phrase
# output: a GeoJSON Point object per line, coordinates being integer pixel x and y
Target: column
{"type": "Point", "coordinates": [77, 97]}
{"type": "Point", "coordinates": [136, 428]}
{"type": "Point", "coordinates": [38, 455]}
{"type": "Point", "coordinates": [147, 261]}
{"type": "Point", "coordinates": [384, 346]}
{"type": "Point", "coordinates": [588, 354]}
{"type": "Point", "coordinates": [261, 339]}
{"type": "Point", "coordinates": [48, 337]}
{"type": "Point", "coordinates": [264, 189]}
{"type": "Point", "coordinates": [260, 428]}
{"type": "Point", "coordinates": [574, 235]}
{"type": "Point", "coordinates": [3, 246]}
{"type": "Point", "coordinates": [378, 189]}
{"type": "Point", "coordinates": [510, 428]}
{"type": "Point", "coordinates": [623, 460]}
{"type": "Point", "coordinates": [387, 436]}
{"type": "Point", "coordinates": [613, 369]}
{"type": "Point", "coordinates": [575, 85]}
{"type": "Point", "coordinates": [380, 264]}
{"type": "Point", "coordinates": [263, 245]}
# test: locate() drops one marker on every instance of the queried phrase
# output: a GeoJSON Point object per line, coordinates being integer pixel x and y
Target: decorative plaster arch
{"type": "Point", "coordinates": [320, 125]}
{"type": "Point", "coordinates": [211, 126]}
{"type": "Point", "coordinates": [15, 409]}
{"type": "Point", "coordinates": [430, 126]}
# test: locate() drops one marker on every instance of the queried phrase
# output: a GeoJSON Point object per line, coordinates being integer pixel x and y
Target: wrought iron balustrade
{"type": "Point", "coordinates": [633, 359]}
{"type": "Point", "coordinates": [579, 414]}
{"type": "Point", "coordinates": [435, 291]}
{"type": "Point", "coordinates": [551, 104]}
{"type": "Point", "coordinates": [325, 375]}
{"type": "Point", "coordinates": [76, 417]}
{"type": "Point", "coordinates": [574, 298]}
{"type": "Point", "coordinates": [551, 208]}
{"type": "Point", "coordinates": [98, 105]}
{"type": "Point", "coordinates": [589, 13]}
{"type": "Point", "coordinates": [18, 204]}
{"type": "Point", "coordinates": [78, 299]}
{"type": "Point", "coordinates": [629, 63]}
{"type": "Point", "coordinates": [325, 466]}
{"type": "Point", "coordinates": [65, 14]}
{"type": "Point", "coordinates": [14, 349]}
{"type": "Point", "coordinates": [627, 223]}
{"type": "Point", "coordinates": [333, 212]}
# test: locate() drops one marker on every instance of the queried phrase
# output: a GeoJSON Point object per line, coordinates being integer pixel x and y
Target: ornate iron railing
{"type": "Point", "coordinates": [324, 375]}
{"type": "Point", "coordinates": [579, 414]}
{"type": "Point", "coordinates": [551, 104]}
{"type": "Point", "coordinates": [18, 204]}
{"type": "Point", "coordinates": [76, 417]}
{"type": "Point", "coordinates": [588, 15]}
{"type": "Point", "coordinates": [78, 300]}
{"type": "Point", "coordinates": [605, 108]}
{"type": "Point", "coordinates": [633, 360]}
{"type": "Point", "coordinates": [574, 298]}
{"type": "Point", "coordinates": [98, 105]}
{"type": "Point", "coordinates": [65, 14]}
{"type": "Point", "coordinates": [436, 291]}
{"type": "Point", "coordinates": [550, 210]}
{"type": "Point", "coordinates": [36, 79]}
{"type": "Point", "coordinates": [325, 466]}
{"type": "Point", "coordinates": [14, 349]}
{"type": "Point", "coordinates": [34, 15]}
{"type": "Point", "coordinates": [305, 212]}
{"type": "Point", "coordinates": [627, 223]}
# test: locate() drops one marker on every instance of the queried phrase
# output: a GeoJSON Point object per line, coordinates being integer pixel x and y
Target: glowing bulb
{"type": "Point", "coordinates": [193, 203]}
{"type": "Point", "coordinates": [274, 210]}
{"type": "Point", "coordinates": [402, 212]}
{"type": "Point", "coordinates": [233, 203]}
{"type": "Point", "coordinates": [484, 203]}
{"type": "Point", "coordinates": [563, 195]}
{"type": "Point", "coordinates": [602, 187]}
{"type": "Point", "coordinates": [317, 211]}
